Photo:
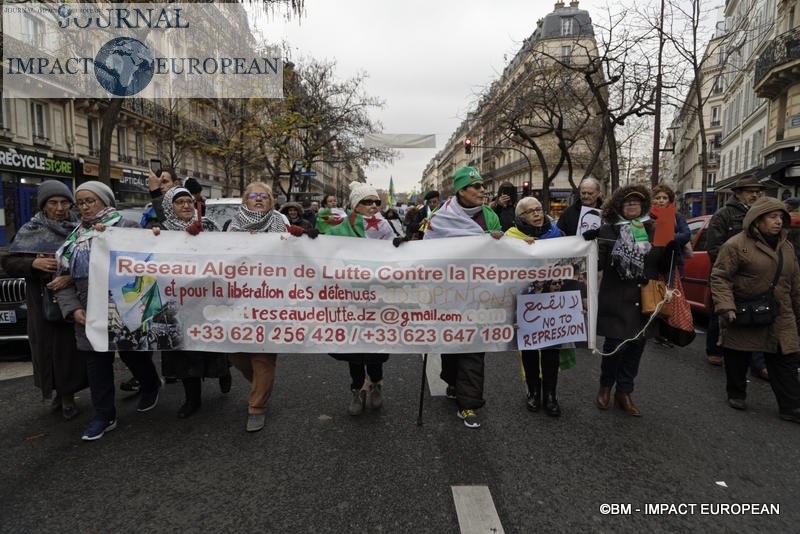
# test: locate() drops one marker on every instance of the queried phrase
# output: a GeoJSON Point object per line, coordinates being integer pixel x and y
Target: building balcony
{"type": "Point", "coordinates": [779, 66]}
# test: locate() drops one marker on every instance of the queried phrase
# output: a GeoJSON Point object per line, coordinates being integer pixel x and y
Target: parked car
{"type": "Point", "coordinates": [13, 310]}
{"type": "Point", "coordinates": [697, 268]}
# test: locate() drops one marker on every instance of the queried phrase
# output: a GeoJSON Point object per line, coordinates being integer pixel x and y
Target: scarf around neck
{"type": "Point", "coordinates": [41, 235]}
{"type": "Point", "coordinates": [73, 256]}
{"type": "Point", "coordinates": [546, 230]}
{"type": "Point", "coordinates": [246, 220]}
{"type": "Point", "coordinates": [453, 220]}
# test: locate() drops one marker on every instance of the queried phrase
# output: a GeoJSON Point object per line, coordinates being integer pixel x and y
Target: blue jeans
{"type": "Point", "coordinates": [100, 370]}
{"type": "Point", "coordinates": [621, 367]}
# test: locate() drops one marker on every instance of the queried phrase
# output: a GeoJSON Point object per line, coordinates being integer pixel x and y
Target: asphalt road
{"type": "Point", "coordinates": [316, 469]}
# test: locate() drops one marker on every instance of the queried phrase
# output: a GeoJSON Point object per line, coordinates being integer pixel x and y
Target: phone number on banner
{"type": "Point", "coordinates": [341, 335]}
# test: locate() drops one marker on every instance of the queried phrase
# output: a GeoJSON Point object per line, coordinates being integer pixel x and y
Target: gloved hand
{"type": "Point", "coordinates": [195, 228]}
{"type": "Point", "coordinates": [295, 230]}
{"type": "Point", "coordinates": [397, 241]}
{"type": "Point", "coordinates": [312, 233]}
{"type": "Point", "coordinates": [590, 235]}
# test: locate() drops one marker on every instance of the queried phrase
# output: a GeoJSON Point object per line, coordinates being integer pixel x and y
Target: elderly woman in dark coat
{"type": "Point", "coordinates": [745, 268]}
{"type": "Point", "coordinates": [57, 365]}
{"type": "Point", "coordinates": [95, 202]}
{"type": "Point", "coordinates": [627, 259]}
{"type": "Point", "coordinates": [191, 366]}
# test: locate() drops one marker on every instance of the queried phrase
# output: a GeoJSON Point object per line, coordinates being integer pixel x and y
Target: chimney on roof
{"type": "Point", "coordinates": [574, 3]}
{"type": "Point", "coordinates": [559, 5]}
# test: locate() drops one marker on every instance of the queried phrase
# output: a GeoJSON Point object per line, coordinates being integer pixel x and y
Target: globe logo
{"type": "Point", "coordinates": [123, 66]}
{"type": "Point", "coordinates": [64, 10]}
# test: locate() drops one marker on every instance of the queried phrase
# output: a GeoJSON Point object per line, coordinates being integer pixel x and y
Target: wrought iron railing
{"type": "Point", "coordinates": [782, 49]}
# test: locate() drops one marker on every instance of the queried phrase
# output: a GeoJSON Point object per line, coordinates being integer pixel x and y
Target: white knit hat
{"type": "Point", "coordinates": [359, 191]}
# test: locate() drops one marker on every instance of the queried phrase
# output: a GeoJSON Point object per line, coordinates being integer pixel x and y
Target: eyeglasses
{"type": "Point", "coordinates": [477, 185]}
{"type": "Point", "coordinates": [184, 202]}
{"type": "Point", "coordinates": [369, 202]}
{"type": "Point", "coordinates": [59, 203]}
{"type": "Point", "coordinates": [253, 196]}
{"type": "Point", "coordinates": [88, 202]}
{"type": "Point", "coordinates": [534, 210]}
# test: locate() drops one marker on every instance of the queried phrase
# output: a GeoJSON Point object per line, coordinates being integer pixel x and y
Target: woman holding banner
{"type": "Point", "coordinates": [192, 366]}
{"type": "Point", "coordinates": [628, 260]}
{"type": "Point", "coordinates": [95, 201]}
{"type": "Point", "coordinates": [256, 214]}
{"type": "Point", "coordinates": [465, 214]}
{"type": "Point", "coordinates": [364, 220]}
{"type": "Point", "coordinates": [540, 366]}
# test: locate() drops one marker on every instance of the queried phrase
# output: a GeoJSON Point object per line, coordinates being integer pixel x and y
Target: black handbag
{"type": "Point", "coordinates": [760, 310]}
{"type": "Point", "coordinates": [50, 309]}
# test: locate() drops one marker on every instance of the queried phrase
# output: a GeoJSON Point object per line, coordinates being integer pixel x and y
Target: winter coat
{"type": "Point", "coordinates": [725, 223]}
{"type": "Point", "coordinates": [619, 314]}
{"type": "Point", "coordinates": [57, 365]}
{"type": "Point", "coordinates": [746, 267]}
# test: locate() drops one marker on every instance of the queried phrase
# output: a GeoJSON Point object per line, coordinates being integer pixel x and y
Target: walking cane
{"type": "Point", "coordinates": [422, 387]}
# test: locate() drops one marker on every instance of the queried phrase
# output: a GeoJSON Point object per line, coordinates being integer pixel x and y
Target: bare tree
{"type": "Point", "coordinates": [320, 120]}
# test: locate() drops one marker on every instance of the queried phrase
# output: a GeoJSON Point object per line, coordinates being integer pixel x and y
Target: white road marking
{"type": "Point", "coordinates": [9, 370]}
{"type": "Point", "coordinates": [436, 385]}
{"type": "Point", "coordinates": [476, 511]}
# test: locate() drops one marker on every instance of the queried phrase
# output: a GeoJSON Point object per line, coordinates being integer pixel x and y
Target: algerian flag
{"type": "Point", "coordinates": [337, 222]}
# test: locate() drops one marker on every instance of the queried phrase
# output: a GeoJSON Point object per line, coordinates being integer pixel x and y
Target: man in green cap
{"type": "Point", "coordinates": [465, 214]}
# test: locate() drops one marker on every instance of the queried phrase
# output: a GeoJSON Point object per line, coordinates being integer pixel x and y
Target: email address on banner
{"type": "Point", "coordinates": [348, 314]}
{"type": "Point", "coordinates": [288, 334]}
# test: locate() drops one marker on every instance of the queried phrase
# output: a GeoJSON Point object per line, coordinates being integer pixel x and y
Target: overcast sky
{"type": "Point", "coordinates": [426, 59]}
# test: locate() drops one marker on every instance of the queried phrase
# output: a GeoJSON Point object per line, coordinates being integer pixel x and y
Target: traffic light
{"type": "Point", "coordinates": [526, 189]}
{"type": "Point", "coordinates": [468, 145]}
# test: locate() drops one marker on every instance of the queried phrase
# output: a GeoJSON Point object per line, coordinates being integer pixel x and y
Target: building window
{"type": "Point", "coordinates": [715, 116]}
{"type": "Point", "coordinates": [711, 178]}
{"type": "Point", "coordinates": [566, 53]}
{"type": "Point", "coordinates": [4, 117]}
{"type": "Point", "coordinates": [140, 150]}
{"type": "Point", "coordinates": [566, 26]}
{"type": "Point", "coordinates": [39, 121]}
{"type": "Point", "coordinates": [33, 32]}
{"type": "Point", "coordinates": [719, 85]}
{"type": "Point", "coordinates": [122, 145]}
{"type": "Point", "coordinates": [94, 137]}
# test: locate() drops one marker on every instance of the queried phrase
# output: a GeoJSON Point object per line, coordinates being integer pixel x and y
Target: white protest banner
{"type": "Point", "coordinates": [547, 319]}
{"type": "Point", "coordinates": [269, 292]}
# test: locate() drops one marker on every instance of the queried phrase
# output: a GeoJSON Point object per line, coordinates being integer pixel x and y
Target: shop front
{"type": "Point", "coordinates": [129, 185]}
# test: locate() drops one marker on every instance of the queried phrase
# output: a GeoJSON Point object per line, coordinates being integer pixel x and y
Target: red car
{"type": "Point", "coordinates": [697, 268]}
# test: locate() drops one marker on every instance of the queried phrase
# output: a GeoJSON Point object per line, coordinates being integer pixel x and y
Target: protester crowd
{"type": "Point", "coordinates": [755, 285]}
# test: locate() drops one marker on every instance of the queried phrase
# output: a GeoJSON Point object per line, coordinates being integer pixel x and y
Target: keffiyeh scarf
{"type": "Point", "coordinates": [246, 220]}
{"type": "Point", "coordinates": [630, 249]}
{"type": "Point", "coordinates": [173, 222]}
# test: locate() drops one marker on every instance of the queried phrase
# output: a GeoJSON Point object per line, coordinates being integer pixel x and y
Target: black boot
{"type": "Point", "coordinates": [534, 394]}
{"type": "Point", "coordinates": [549, 381]}
{"type": "Point", "coordinates": [551, 404]}
{"type": "Point", "coordinates": [192, 389]}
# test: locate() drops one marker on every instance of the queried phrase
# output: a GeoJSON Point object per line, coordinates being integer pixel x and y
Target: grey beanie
{"type": "Point", "coordinates": [52, 188]}
{"type": "Point", "coordinates": [101, 190]}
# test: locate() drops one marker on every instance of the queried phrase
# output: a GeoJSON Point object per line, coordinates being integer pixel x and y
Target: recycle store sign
{"type": "Point", "coordinates": [23, 161]}
{"type": "Point", "coordinates": [183, 50]}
